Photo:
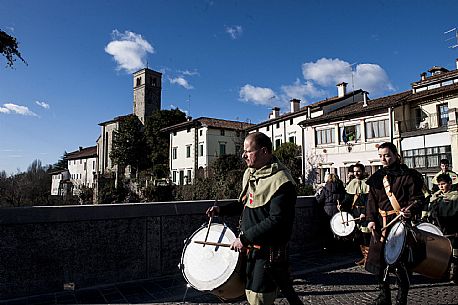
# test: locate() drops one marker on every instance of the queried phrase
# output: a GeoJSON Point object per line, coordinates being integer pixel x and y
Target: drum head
{"type": "Point", "coordinates": [342, 224]}
{"type": "Point", "coordinates": [395, 243]}
{"type": "Point", "coordinates": [206, 268]}
{"type": "Point", "coordinates": [429, 227]}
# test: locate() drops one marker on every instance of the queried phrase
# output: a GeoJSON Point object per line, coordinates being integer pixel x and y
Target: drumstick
{"type": "Point", "coordinates": [210, 243]}
{"type": "Point", "coordinates": [395, 219]}
{"type": "Point", "coordinates": [208, 229]}
{"type": "Point", "coordinates": [359, 218]}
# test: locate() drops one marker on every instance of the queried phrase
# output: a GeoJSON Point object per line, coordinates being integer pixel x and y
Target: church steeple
{"type": "Point", "coordinates": [147, 92]}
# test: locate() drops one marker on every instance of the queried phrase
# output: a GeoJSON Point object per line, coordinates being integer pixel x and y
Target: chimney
{"type": "Point", "coordinates": [275, 113]}
{"type": "Point", "coordinates": [81, 148]}
{"type": "Point", "coordinates": [295, 103]}
{"type": "Point", "coordinates": [341, 89]}
{"type": "Point", "coordinates": [423, 76]}
{"type": "Point", "coordinates": [309, 112]}
{"type": "Point", "coordinates": [364, 98]}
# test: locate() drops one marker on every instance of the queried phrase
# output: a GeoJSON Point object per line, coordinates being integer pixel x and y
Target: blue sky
{"type": "Point", "coordinates": [225, 59]}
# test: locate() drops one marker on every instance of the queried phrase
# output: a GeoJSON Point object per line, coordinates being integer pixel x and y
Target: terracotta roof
{"type": "Point", "coordinates": [453, 88]}
{"type": "Point", "coordinates": [82, 153]}
{"type": "Point", "coordinates": [210, 122]}
{"type": "Point", "coordinates": [432, 79]}
{"type": "Point", "coordinates": [355, 110]}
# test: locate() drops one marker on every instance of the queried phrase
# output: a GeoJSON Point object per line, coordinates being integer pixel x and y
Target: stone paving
{"type": "Point", "coordinates": [319, 278]}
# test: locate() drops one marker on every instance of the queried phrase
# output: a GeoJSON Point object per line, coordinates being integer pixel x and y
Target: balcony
{"type": "Point", "coordinates": [431, 121]}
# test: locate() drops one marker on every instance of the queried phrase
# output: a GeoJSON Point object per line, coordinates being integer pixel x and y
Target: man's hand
{"type": "Point", "coordinates": [237, 245]}
{"type": "Point", "coordinates": [212, 211]}
{"type": "Point", "coordinates": [371, 225]}
{"type": "Point", "coordinates": [405, 213]}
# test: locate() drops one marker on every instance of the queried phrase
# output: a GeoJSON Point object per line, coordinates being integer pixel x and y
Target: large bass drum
{"type": "Point", "coordinates": [429, 227]}
{"type": "Point", "coordinates": [214, 269]}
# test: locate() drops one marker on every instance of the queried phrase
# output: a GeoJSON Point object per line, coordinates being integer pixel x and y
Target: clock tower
{"type": "Point", "coordinates": [147, 93]}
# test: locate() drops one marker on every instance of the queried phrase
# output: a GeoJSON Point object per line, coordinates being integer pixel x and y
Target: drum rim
{"type": "Point", "coordinates": [430, 225]}
{"type": "Point", "coordinates": [348, 216]}
{"type": "Point", "coordinates": [223, 280]}
{"type": "Point", "coordinates": [388, 238]}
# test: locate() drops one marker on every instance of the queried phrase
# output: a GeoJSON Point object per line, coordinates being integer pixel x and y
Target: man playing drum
{"type": "Point", "coordinates": [393, 189]}
{"type": "Point", "coordinates": [267, 214]}
{"type": "Point", "coordinates": [355, 201]}
{"type": "Point", "coordinates": [443, 212]}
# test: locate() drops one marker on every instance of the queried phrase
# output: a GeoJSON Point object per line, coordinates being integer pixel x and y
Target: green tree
{"type": "Point", "coordinates": [158, 142]}
{"type": "Point", "coordinates": [290, 155]}
{"type": "Point", "coordinates": [9, 49]}
{"type": "Point", "coordinates": [128, 143]}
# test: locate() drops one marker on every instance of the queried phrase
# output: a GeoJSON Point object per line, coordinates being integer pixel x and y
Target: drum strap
{"type": "Point", "coordinates": [384, 214]}
{"type": "Point", "coordinates": [394, 202]}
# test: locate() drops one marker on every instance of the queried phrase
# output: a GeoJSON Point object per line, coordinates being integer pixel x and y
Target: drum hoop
{"type": "Point", "coordinates": [183, 267]}
{"type": "Point", "coordinates": [389, 237]}
{"type": "Point", "coordinates": [345, 215]}
{"type": "Point", "coordinates": [435, 228]}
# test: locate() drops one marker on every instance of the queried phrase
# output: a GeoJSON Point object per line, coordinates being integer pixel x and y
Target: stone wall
{"type": "Point", "coordinates": [44, 248]}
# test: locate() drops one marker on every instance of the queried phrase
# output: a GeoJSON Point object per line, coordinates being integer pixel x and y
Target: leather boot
{"type": "Point", "coordinates": [364, 252]}
{"type": "Point", "coordinates": [384, 297]}
{"type": "Point", "coordinates": [403, 285]}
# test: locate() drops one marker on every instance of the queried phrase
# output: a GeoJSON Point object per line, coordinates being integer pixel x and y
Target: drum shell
{"type": "Point", "coordinates": [227, 285]}
{"type": "Point", "coordinates": [438, 254]}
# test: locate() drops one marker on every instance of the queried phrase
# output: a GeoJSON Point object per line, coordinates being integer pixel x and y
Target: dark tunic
{"type": "Point", "coordinates": [406, 185]}
{"type": "Point", "coordinates": [269, 226]}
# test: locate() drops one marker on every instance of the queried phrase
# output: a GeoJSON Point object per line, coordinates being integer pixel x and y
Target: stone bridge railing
{"type": "Point", "coordinates": [44, 249]}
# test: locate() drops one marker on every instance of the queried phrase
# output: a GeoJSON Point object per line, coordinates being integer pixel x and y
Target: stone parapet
{"type": "Point", "coordinates": [49, 249]}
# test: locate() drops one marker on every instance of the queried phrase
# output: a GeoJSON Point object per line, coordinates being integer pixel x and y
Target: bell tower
{"type": "Point", "coordinates": [147, 92]}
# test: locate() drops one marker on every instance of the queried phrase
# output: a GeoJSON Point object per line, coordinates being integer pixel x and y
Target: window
{"type": "Point", "coordinates": [201, 150]}
{"type": "Point", "coordinates": [174, 133]}
{"type": "Point", "coordinates": [174, 176]}
{"type": "Point", "coordinates": [222, 132]}
{"type": "Point", "coordinates": [277, 143]}
{"type": "Point", "coordinates": [222, 149]}
{"type": "Point", "coordinates": [442, 111]}
{"type": "Point", "coordinates": [85, 166]}
{"type": "Point", "coordinates": [188, 177]}
{"type": "Point", "coordinates": [278, 125]}
{"type": "Point", "coordinates": [325, 136]}
{"type": "Point", "coordinates": [188, 151]}
{"type": "Point", "coordinates": [138, 81]}
{"type": "Point", "coordinates": [174, 152]}
{"type": "Point", "coordinates": [200, 132]}
{"type": "Point", "coordinates": [349, 133]}
{"type": "Point", "coordinates": [188, 129]}
{"type": "Point", "coordinates": [292, 139]}
{"type": "Point", "coordinates": [268, 127]}
{"type": "Point", "coordinates": [377, 129]}
{"type": "Point", "coordinates": [426, 157]}
{"type": "Point", "coordinates": [93, 165]}
{"type": "Point", "coordinates": [290, 121]}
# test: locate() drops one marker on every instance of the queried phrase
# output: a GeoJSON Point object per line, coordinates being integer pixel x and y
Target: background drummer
{"type": "Point", "coordinates": [443, 212]}
{"type": "Point", "coordinates": [404, 186]}
{"type": "Point", "coordinates": [267, 204]}
{"type": "Point", "coordinates": [355, 201]}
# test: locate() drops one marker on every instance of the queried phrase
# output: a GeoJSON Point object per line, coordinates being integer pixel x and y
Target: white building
{"type": "Point", "coordinates": [82, 168]}
{"type": "Point", "coordinates": [196, 143]}
{"type": "Point", "coordinates": [286, 127]}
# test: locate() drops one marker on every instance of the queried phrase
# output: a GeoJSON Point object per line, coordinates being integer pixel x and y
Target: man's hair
{"type": "Point", "coordinates": [261, 140]}
{"type": "Point", "coordinates": [444, 178]}
{"type": "Point", "coordinates": [360, 166]}
{"type": "Point", "coordinates": [390, 146]}
{"type": "Point", "coordinates": [444, 161]}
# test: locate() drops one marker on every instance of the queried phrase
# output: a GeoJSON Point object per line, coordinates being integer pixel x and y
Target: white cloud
{"type": "Point", "coordinates": [42, 104]}
{"type": "Point", "coordinates": [257, 95]}
{"type": "Point", "coordinates": [302, 90]}
{"type": "Point", "coordinates": [16, 109]}
{"type": "Point", "coordinates": [189, 73]}
{"type": "Point", "coordinates": [129, 50]}
{"type": "Point", "coordinates": [329, 72]}
{"type": "Point", "coordinates": [181, 81]}
{"type": "Point", "coordinates": [234, 31]}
